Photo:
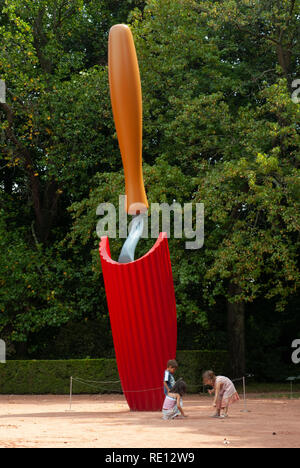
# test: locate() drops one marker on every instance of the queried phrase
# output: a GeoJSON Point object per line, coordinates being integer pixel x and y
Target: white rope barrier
{"type": "Point", "coordinates": [243, 379]}
{"type": "Point", "coordinates": [91, 384]}
{"type": "Point", "coordinates": [291, 380]}
{"type": "Point", "coordinates": [96, 381]}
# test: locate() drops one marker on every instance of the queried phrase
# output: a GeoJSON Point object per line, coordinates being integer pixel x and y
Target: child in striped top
{"type": "Point", "coordinates": [169, 380]}
{"type": "Point", "coordinates": [172, 407]}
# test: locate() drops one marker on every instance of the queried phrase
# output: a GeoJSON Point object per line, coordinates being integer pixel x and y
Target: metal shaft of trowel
{"type": "Point", "coordinates": [135, 233]}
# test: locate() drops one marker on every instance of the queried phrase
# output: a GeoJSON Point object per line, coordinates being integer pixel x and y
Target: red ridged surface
{"type": "Point", "coordinates": [142, 308]}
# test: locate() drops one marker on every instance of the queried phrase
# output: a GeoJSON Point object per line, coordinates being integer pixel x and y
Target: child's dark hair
{"type": "Point", "coordinates": [179, 387]}
{"type": "Point", "coordinates": [172, 363]}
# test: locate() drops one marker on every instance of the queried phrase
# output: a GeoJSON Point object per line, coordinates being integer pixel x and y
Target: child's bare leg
{"type": "Point", "coordinates": [225, 411]}
{"type": "Point", "coordinates": [217, 413]}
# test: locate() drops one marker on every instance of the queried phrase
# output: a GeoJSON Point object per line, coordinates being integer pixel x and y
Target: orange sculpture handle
{"type": "Point", "coordinates": [126, 99]}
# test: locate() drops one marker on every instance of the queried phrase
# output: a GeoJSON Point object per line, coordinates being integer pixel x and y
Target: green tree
{"type": "Point", "coordinates": [218, 106]}
{"type": "Point", "coordinates": [266, 31]}
{"type": "Point", "coordinates": [54, 108]}
{"type": "Point", "coordinates": [56, 133]}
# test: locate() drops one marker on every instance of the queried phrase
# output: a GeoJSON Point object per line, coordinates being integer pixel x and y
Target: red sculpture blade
{"type": "Point", "coordinates": [142, 309]}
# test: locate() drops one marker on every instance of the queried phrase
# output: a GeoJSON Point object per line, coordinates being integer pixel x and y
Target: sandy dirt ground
{"type": "Point", "coordinates": [105, 421]}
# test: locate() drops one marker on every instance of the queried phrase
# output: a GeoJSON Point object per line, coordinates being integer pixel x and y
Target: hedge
{"type": "Point", "coordinates": [53, 377]}
{"type": "Point", "coordinates": [193, 363]}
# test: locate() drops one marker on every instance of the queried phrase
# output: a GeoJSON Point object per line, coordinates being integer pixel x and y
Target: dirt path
{"type": "Point", "coordinates": [105, 421]}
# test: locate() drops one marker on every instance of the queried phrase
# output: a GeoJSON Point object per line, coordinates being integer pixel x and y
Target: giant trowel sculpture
{"type": "Point", "coordinates": [140, 293]}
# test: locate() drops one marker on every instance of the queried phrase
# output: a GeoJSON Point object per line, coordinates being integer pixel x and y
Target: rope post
{"type": "Point", "coordinates": [291, 395]}
{"type": "Point", "coordinates": [245, 410]}
{"type": "Point", "coordinates": [291, 380]}
{"type": "Point", "coordinates": [71, 394]}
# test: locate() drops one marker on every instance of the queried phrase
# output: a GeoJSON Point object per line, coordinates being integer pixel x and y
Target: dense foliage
{"type": "Point", "coordinates": [220, 128]}
{"type": "Point", "coordinates": [53, 376]}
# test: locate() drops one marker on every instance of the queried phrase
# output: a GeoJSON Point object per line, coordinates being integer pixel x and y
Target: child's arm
{"type": "Point", "coordinates": [218, 388]}
{"type": "Point", "coordinates": [180, 407]}
{"type": "Point", "coordinates": [166, 387]}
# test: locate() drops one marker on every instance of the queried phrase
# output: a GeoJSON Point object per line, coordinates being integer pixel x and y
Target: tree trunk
{"type": "Point", "coordinates": [284, 59]}
{"type": "Point", "coordinates": [44, 204]}
{"type": "Point", "coordinates": [8, 181]}
{"type": "Point", "coordinates": [21, 350]}
{"type": "Point", "coordinates": [236, 333]}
